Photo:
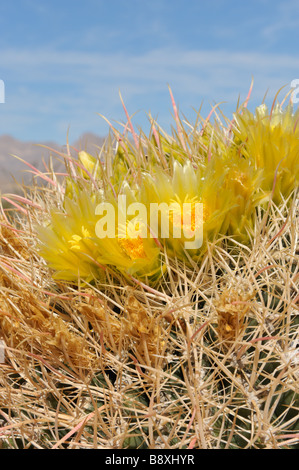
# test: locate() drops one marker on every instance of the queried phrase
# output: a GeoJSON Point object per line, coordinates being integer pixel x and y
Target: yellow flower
{"type": "Point", "coordinates": [271, 143]}
{"type": "Point", "coordinates": [242, 181]}
{"type": "Point", "coordinates": [68, 242]}
{"type": "Point", "coordinates": [130, 247]}
{"type": "Point", "coordinates": [170, 149]}
{"type": "Point", "coordinates": [177, 195]}
{"type": "Point", "coordinates": [124, 164]}
{"type": "Point", "coordinates": [75, 245]}
{"type": "Point", "coordinates": [90, 163]}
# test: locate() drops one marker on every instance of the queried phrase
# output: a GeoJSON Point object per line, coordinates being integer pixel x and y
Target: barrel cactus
{"type": "Point", "coordinates": [128, 338]}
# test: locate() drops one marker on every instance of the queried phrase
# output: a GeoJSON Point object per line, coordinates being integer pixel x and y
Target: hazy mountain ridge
{"type": "Point", "coordinates": [35, 153]}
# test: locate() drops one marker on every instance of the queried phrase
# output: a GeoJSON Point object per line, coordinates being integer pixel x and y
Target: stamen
{"type": "Point", "coordinates": [133, 247]}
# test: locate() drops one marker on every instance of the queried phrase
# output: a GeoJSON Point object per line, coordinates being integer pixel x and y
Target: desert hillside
{"type": "Point", "coordinates": [14, 171]}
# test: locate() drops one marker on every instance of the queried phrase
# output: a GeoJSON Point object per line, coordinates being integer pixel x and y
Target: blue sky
{"type": "Point", "coordinates": [62, 62]}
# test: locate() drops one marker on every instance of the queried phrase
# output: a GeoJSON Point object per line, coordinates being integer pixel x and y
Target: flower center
{"type": "Point", "coordinates": [131, 242]}
{"type": "Point", "coordinates": [133, 247]}
{"type": "Point", "coordinates": [240, 182]}
{"type": "Point", "coordinates": [187, 217]}
{"type": "Point", "coordinates": [75, 241]}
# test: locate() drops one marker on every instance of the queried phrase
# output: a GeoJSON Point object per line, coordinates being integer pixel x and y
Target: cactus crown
{"type": "Point", "coordinates": [134, 339]}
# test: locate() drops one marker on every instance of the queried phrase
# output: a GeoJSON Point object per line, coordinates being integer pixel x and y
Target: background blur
{"type": "Point", "coordinates": [63, 62]}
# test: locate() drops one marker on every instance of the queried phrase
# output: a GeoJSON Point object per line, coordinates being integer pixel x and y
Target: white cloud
{"type": "Point", "coordinates": [69, 86]}
{"type": "Point", "coordinates": [157, 67]}
{"type": "Point", "coordinates": [287, 19]}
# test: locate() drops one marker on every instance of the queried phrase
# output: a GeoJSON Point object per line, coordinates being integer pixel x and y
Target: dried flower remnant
{"type": "Point", "coordinates": [145, 330]}
{"type": "Point", "coordinates": [232, 308]}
